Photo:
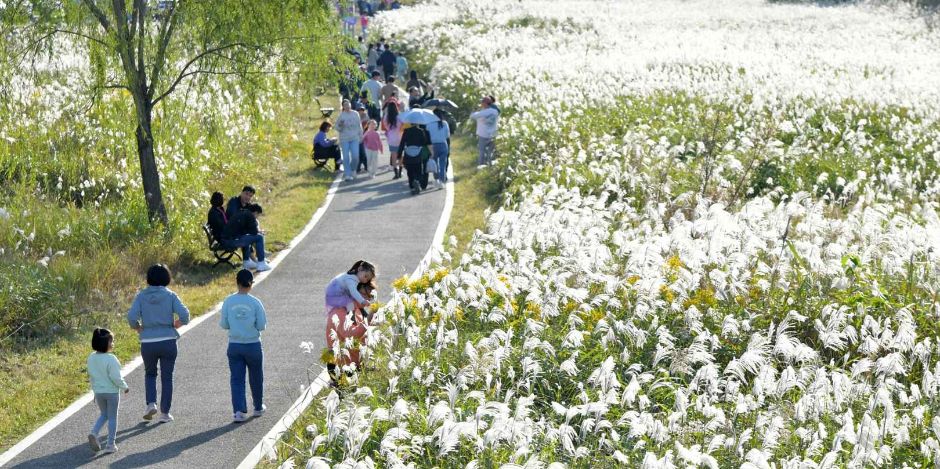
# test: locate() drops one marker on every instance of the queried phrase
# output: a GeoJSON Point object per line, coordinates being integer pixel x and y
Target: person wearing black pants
{"type": "Point", "coordinates": [387, 60]}
{"type": "Point", "coordinates": [363, 165]}
{"type": "Point", "coordinates": [325, 147]}
{"type": "Point", "coordinates": [414, 145]}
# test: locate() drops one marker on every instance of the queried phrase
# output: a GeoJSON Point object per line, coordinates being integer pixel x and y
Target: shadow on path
{"type": "Point", "coordinates": [81, 453]}
{"type": "Point", "coordinates": [159, 454]}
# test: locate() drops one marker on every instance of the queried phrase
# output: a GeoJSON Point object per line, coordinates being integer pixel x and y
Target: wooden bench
{"type": "Point", "coordinates": [222, 255]}
{"type": "Point", "coordinates": [324, 111]}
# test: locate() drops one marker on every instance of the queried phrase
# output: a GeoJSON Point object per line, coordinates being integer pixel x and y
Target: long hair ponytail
{"type": "Point", "coordinates": [391, 114]}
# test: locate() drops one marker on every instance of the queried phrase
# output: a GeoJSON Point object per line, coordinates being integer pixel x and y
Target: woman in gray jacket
{"type": "Point", "coordinates": [349, 127]}
{"type": "Point", "coordinates": [156, 314]}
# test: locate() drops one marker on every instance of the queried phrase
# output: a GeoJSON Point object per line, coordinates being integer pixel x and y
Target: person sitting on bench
{"type": "Point", "coordinates": [239, 202]}
{"type": "Point", "coordinates": [327, 147]}
{"type": "Point", "coordinates": [242, 232]}
{"type": "Point", "coordinates": [217, 216]}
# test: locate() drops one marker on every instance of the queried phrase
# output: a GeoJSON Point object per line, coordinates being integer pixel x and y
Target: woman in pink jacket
{"type": "Point", "coordinates": [392, 126]}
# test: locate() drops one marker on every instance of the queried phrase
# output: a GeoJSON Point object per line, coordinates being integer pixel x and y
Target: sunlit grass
{"type": "Point", "coordinates": [40, 378]}
{"type": "Point", "coordinates": [475, 190]}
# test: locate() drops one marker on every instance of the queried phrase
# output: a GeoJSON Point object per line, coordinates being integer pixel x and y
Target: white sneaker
{"type": "Point", "coordinates": [249, 264]}
{"type": "Point", "coordinates": [151, 411]}
{"type": "Point", "coordinates": [110, 449]}
{"type": "Point", "coordinates": [239, 417]}
{"type": "Point", "coordinates": [93, 442]}
{"type": "Point", "coordinates": [165, 418]}
{"type": "Point", "coordinates": [263, 266]}
{"type": "Point", "coordinates": [481, 166]}
{"type": "Point", "coordinates": [259, 412]}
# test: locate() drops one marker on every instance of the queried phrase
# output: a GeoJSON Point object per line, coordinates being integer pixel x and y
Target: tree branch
{"type": "Point", "coordinates": [166, 34]}
{"type": "Point", "coordinates": [125, 49]}
{"type": "Point", "coordinates": [82, 35]}
{"type": "Point", "coordinates": [140, 10]}
{"type": "Point", "coordinates": [102, 18]}
{"type": "Point", "coordinates": [184, 72]}
{"type": "Point", "coordinates": [112, 86]}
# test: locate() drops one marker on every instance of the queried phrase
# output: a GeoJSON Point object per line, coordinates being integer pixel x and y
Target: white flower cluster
{"type": "Point", "coordinates": [62, 140]}
{"type": "Point", "coordinates": [719, 245]}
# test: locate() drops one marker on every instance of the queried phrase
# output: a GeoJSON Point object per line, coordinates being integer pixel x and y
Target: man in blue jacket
{"type": "Point", "coordinates": [239, 202]}
{"type": "Point", "coordinates": [242, 232]}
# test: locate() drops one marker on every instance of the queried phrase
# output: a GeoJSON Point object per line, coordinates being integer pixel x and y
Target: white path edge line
{"type": "Point", "coordinates": [86, 398]}
{"type": "Point", "coordinates": [266, 447]}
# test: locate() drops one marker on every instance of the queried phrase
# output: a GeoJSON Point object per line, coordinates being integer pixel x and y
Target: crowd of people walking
{"type": "Point", "coordinates": [377, 115]}
{"type": "Point", "coordinates": [414, 123]}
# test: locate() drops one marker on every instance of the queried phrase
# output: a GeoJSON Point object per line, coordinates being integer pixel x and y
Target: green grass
{"type": "Point", "coordinates": [475, 190]}
{"type": "Point", "coordinates": [40, 378]}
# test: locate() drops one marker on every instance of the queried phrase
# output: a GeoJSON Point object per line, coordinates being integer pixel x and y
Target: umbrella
{"type": "Point", "coordinates": [419, 117]}
{"type": "Point", "coordinates": [442, 104]}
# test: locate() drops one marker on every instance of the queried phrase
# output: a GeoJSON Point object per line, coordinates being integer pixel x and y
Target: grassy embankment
{"type": "Point", "coordinates": [42, 377]}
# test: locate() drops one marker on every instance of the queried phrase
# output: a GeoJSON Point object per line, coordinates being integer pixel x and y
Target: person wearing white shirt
{"type": "Point", "coordinates": [374, 87]}
{"type": "Point", "coordinates": [487, 120]}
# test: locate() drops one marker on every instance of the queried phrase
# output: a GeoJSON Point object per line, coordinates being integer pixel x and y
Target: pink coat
{"type": "Point", "coordinates": [392, 132]}
{"type": "Point", "coordinates": [372, 141]}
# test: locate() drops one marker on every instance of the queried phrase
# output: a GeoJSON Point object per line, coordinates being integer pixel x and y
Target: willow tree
{"type": "Point", "coordinates": [151, 48]}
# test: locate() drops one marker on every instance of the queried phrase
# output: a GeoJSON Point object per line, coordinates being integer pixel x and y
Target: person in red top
{"type": "Point", "coordinates": [364, 24]}
{"type": "Point", "coordinates": [373, 143]}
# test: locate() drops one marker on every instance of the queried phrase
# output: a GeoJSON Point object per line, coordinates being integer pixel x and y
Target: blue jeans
{"type": "Point", "coordinates": [163, 352]}
{"type": "Point", "coordinates": [441, 154]}
{"type": "Point", "coordinates": [350, 158]}
{"type": "Point", "coordinates": [108, 404]}
{"type": "Point", "coordinates": [246, 242]}
{"type": "Point", "coordinates": [485, 147]}
{"type": "Point", "coordinates": [240, 357]}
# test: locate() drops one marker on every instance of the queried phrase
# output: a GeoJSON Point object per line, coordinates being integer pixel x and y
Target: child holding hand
{"type": "Point", "coordinates": [373, 143]}
{"type": "Point", "coordinates": [104, 371]}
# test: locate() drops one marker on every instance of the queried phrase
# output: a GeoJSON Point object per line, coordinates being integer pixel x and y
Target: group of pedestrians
{"type": "Point", "coordinates": [420, 150]}
{"type": "Point", "coordinates": [360, 14]}
{"type": "Point", "coordinates": [156, 315]}
{"type": "Point", "coordinates": [157, 312]}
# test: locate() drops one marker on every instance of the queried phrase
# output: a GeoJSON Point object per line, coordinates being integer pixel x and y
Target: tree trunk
{"type": "Point", "coordinates": [149, 173]}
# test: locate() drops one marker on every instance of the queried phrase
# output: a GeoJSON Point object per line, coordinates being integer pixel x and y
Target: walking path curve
{"type": "Point", "coordinates": [377, 220]}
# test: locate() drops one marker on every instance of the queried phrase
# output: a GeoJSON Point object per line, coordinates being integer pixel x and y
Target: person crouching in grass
{"type": "Point", "coordinates": [104, 371]}
{"type": "Point", "coordinates": [244, 317]}
{"type": "Point", "coordinates": [354, 330]}
{"type": "Point", "coordinates": [343, 298]}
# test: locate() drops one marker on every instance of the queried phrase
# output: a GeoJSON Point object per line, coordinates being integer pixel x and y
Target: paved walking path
{"type": "Point", "coordinates": [377, 220]}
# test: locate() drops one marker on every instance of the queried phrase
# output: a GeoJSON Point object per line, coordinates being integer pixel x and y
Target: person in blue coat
{"type": "Point", "coordinates": [156, 314]}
